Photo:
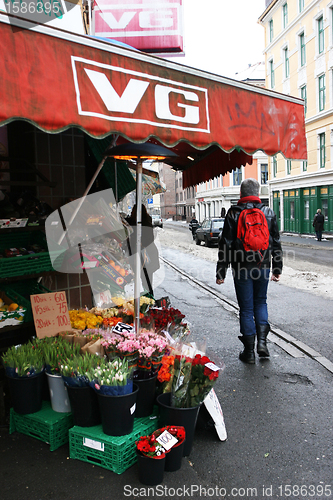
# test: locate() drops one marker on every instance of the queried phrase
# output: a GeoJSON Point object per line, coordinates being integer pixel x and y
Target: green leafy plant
{"type": "Point", "coordinates": [24, 360]}
{"type": "Point", "coordinates": [74, 370]}
{"type": "Point", "coordinates": [112, 377]}
{"type": "Point", "coordinates": [55, 351]}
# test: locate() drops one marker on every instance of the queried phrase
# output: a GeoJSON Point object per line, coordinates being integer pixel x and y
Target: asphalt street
{"type": "Point", "coordinates": [277, 414]}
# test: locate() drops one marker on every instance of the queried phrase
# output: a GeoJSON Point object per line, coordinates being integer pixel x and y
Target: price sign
{"type": "Point", "coordinates": [50, 313]}
{"type": "Point", "coordinates": [167, 440]}
{"type": "Point", "coordinates": [122, 328]}
{"type": "Point", "coordinates": [213, 406]}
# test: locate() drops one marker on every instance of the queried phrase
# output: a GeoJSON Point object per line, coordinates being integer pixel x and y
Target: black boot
{"type": "Point", "coordinates": [262, 332]}
{"type": "Point", "coordinates": [247, 356]}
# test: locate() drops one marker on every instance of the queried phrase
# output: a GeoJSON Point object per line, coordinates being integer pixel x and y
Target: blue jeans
{"type": "Point", "coordinates": [251, 291]}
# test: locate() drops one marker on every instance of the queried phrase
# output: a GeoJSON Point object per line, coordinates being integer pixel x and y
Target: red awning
{"type": "Point", "coordinates": [56, 80]}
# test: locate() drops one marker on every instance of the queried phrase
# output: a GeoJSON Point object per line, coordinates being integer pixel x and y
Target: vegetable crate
{"type": "Point", "coordinates": [20, 292]}
{"type": "Point", "coordinates": [24, 264]}
{"type": "Point", "coordinates": [116, 453]}
{"type": "Point", "coordinates": [46, 425]}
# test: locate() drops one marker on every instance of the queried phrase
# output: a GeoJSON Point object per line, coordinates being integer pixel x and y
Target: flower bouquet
{"type": "Point", "coordinates": [25, 360]}
{"type": "Point", "coordinates": [158, 319]}
{"type": "Point", "coordinates": [24, 366]}
{"type": "Point", "coordinates": [55, 350]}
{"type": "Point", "coordinates": [112, 378]}
{"type": "Point", "coordinates": [74, 371]}
{"type": "Point", "coordinates": [152, 347]}
{"type": "Point", "coordinates": [166, 373]}
{"type": "Point", "coordinates": [203, 377]}
{"type": "Point", "coordinates": [124, 346]}
{"type": "Point", "coordinates": [81, 319]}
{"type": "Point", "coordinates": [150, 447]}
{"type": "Point", "coordinates": [191, 377]}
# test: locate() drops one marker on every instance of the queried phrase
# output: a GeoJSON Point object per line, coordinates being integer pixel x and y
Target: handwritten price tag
{"type": "Point", "coordinates": [167, 440]}
{"type": "Point", "coordinates": [50, 312]}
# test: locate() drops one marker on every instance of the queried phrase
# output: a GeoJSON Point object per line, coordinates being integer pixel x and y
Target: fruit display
{"type": "Point", "coordinates": [11, 313]}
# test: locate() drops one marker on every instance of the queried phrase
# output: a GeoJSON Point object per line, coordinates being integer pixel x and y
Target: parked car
{"type": "Point", "coordinates": [157, 221]}
{"type": "Point", "coordinates": [209, 231]}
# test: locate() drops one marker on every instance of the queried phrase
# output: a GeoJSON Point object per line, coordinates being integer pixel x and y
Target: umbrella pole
{"type": "Point", "coordinates": [137, 282]}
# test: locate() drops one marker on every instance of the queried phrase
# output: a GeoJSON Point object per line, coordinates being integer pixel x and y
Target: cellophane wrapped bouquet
{"type": "Point", "coordinates": [189, 375]}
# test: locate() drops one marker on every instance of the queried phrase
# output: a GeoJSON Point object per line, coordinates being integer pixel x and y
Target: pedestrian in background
{"type": "Point", "coordinates": [250, 243]}
{"type": "Point", "coordinates": [318, 224]}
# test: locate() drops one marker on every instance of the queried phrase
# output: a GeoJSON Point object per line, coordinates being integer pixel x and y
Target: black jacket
{"type": "Point", "coordinates": [318, 222]}
{"type": "Point", "coordinates": [230, 255]}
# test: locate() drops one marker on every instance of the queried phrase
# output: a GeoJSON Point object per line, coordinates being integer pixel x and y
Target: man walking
{"type": "Point", "coordinates": [250, 243]}
{"type": "Point", "coordinates": [318, 224]}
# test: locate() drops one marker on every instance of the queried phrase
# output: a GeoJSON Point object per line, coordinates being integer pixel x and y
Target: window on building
{"type": "Point", "coordinates": [324, 208]}
{"type": "Point", "coordinates": [237, 176]}
{"type": "Point", "coordinates": [286, 63]}
{"type": "Point", "coordinates": [322, 89]}
{"type": "Point", "coordinates": [304, 166]}
{"type": "Point", "coordinates": [302, 49]}
{"type": "Point", "coordinates": [284, 15]}
{"type": "Point", "coordinates": [264, 173]}
{"type": "Point", "coordinates": [304, 96]}
{"type": "Point", "coordinates": [274, 166]}
{"type": "Point", "coordinates": [271, 30]}
{"type": "Point", "coordinates": [292, 210]}
{"type": "Point", "coordinates": [321, 35]}
{"type": "Point", "coordinates": [322, 157]}
{"type": "Point", "coordinates": [271, 71]}
{"type": "Point", "coordinates": [306, 209]}
{"type": "Point", "coordinates": [288, 167]}
{"type": "Point", "coordinates": [301, 5]}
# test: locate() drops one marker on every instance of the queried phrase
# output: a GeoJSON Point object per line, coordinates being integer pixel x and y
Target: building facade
{"type": "Point", "coordinates": [299, 62]}
{"type": "Point", "coordinates": [214, 197]}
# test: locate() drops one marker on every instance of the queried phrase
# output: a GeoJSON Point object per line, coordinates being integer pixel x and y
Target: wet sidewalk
{"type": "Point", "coordinates": [277, 414]}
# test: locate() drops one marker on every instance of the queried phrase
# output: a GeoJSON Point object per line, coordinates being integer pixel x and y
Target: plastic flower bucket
{"type": "Point", "coordinates": [58, 394]}
{"type": "Point", "coordinates": [26, 393]}
{"type": "Point", "coordinates": [186, 417]}
{"type": "Point", "coordinates": [117, 412]}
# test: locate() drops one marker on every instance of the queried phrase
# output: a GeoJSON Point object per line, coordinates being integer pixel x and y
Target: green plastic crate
{"type": "Point", "coordinates": [20, 292]}
{"type": "Point", "coordinates": [115, 453]}
{"type": "Point", "coordinates": [25, 264]}
{"type": "Point", "coordinates": [46, 425]}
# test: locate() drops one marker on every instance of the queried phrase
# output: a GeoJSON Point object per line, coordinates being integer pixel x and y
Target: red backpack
{"type": "Point", "coordinates": [253, 232]}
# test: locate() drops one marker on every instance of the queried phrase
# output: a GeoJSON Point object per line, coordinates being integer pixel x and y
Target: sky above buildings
{"type": "Point", "coordinates": [222, 36]}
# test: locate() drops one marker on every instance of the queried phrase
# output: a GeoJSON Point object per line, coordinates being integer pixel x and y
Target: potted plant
{"type": "Point", "coordinates": [24, 366]}
{"type": "Point", "coordinates": [151, 460]}
{"type": "Point", "coordinates": [124, 346]}
{"type": "Point", "coordinates": [175, 454]}
{"type": "Point", "coordinates": [151, 350]}
{"type": "Point", "coordinates": [193, 377]}
{"type": "Point", "coordinates": [83, 400]}
{"type": "Point", "coordinates": [55, 351]}
{"type": "Point", "coordinates": [113, 383]}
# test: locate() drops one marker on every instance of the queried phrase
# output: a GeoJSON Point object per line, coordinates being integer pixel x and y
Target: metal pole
{"type": "Point", "coordinates": [137, 269]}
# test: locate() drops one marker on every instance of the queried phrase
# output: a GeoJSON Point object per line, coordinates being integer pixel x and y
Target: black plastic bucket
{"type": "Point", "coordinates": [186, 417]}
{"type": "Point", "coordinates": [26, 393]}
{"type": "Point", "coordinates": [174, 457]}
{"type": "Point", "coordinates": [117, 412]}
{"type": "Point", "coordinates": [146, 396]}
{"type": "Point", "coordinates": [151, 470]}
{"type": "Point", "coordinates": [84, 405]}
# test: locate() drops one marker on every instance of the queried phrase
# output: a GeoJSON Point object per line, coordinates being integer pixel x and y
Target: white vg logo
{"type": "Point", "coordinates": [138, 97]}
